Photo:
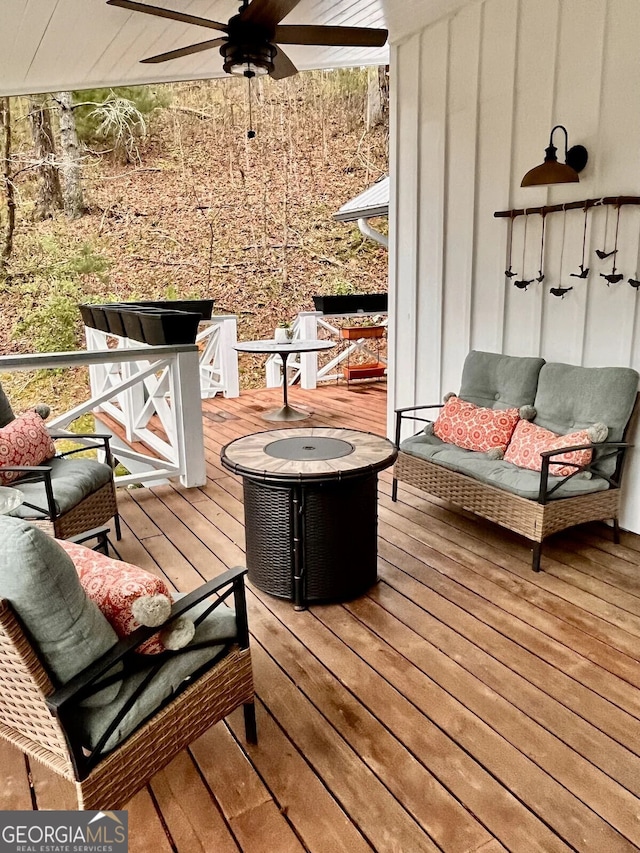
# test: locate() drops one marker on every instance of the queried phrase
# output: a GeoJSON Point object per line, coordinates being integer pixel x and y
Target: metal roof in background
{"type": "Point", "coordinates": [372, 202]}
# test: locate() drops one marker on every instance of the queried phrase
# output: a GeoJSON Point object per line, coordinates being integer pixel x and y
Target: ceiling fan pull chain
{"type": "Point", "coordinates": [250, 133]}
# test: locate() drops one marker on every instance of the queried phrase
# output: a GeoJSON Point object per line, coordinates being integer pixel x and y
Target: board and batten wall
{"type": "Point", "coordinates": [474, 98]}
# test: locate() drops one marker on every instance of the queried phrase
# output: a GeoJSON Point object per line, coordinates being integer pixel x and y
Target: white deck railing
{"type": "Point", "coordinates": [143, 382]}
{"type": "Point", "coordinates": [304, 367]}
{"type": "Point", "coordinates": [218, 362]}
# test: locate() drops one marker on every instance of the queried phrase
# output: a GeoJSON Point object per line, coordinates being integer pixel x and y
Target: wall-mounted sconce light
{"type": "Point", "coordinates": [552, 172]}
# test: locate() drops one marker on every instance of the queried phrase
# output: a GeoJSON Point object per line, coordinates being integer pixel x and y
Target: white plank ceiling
{"type": "Point", "coordinates": [55, 45]}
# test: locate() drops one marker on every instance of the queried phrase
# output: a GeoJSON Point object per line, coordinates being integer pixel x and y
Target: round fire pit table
{"type": "Point", "coordinates": [310, 506]}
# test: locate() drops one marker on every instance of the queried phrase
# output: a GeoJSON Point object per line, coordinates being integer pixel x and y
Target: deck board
{"type": "Point", "coordinates": [464, 705]}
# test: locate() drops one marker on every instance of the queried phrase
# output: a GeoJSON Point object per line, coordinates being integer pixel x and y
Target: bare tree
{"type": "Point", "coordinates": [70, 163]}
{"type": "Point", "coordinates": [49, 190]}
{"type": "Point", "coordinates": [6, 245]}
{"type": "Point", "coordinates": [120, 120]}
{"type": "Point", "coordinates": [377, 96]}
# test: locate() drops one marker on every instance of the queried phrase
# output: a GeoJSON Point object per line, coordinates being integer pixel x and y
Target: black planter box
{"type": "Point", "coordinates": [132, 321]}
{"type": "Point", "coordinates": [204, 307]}
{"type": "Point", "coordinates": [87, 316]}
{"type": "Point", "coordinates": [160, 323]}
{"type": "Point", "coordinates": [169, 328]}
{"type": "Point", "coordinates": [100, 320]}
{"type": "Point", "coordinates": [352, 303]}
{"type": "Point", "coordinates": [114, 319]}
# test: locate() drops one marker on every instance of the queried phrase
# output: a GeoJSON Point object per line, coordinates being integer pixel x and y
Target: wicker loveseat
{"type": "Point", "coordinates": [534, 504]}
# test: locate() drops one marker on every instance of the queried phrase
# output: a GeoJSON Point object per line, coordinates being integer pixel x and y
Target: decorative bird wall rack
{"type": "Point", "coordinates": [612, 277]}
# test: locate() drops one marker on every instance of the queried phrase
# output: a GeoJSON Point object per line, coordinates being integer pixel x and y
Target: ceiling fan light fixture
{"type": "Point", "coordinates": [248, 61]}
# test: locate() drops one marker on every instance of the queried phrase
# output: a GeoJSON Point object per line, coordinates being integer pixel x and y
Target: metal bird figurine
{"type": "Point", "coordinates": [584, 271]}
{"type": "Point", "coordinates": [540, 276]}
{"type": "Point", "coordinates": [559, 291]}
{"type": "Point", "coordinates": [509, 271]}
{"type": "Point", "coordinates": [523, 285]}
{"type": "Point", "coordinates": [582, 274]}
{"type": "Point", "coordinates": [601, 253]}
{"type": "Point", "coordinates": [634, 282]}
{"type": "Point", "coordinates": [612, 278]}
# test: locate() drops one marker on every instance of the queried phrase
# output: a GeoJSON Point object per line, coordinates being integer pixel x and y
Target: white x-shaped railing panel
{"type": "Point", "coordinates": [143, 382]}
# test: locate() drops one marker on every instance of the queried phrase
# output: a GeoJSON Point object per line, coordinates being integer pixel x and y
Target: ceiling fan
{"type": "Point", "coordinates": [250, 46]}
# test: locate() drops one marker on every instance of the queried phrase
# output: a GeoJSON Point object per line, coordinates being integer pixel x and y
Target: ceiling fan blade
{"type": "Point", "coordinates": [332, 36]}
{"type": "Point", "coordinates": [133, 6]}
{"type": "Point", "coordinates": [282, 65]}
{"type": "Point", "coordinates": [184, 51]}
{"type": "Point", "coordinates": [267, 13]}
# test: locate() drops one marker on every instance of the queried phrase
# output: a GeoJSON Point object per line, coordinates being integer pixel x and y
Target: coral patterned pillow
{"type": "Point", "coordinates": [529, 441]}
{"type": "Point", "coordinates": [24, 441]}
{"type": "Point", "coordinates": [473, 427]}
{"type": "Point", "coordinates": [129, 597]}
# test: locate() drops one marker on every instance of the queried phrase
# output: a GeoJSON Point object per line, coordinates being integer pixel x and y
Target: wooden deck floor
{"type": "Point", "coordinates": [464, 704]}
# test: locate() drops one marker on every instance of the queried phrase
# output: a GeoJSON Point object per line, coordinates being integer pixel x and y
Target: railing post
{"type": "Point", "coordinates": [228, 355]}
{"type": "Point", "coordinates": [96, 340]}
{"type": "Point", "coordinates": [184, 385]}
{"type": "Point", "coordinates": [307, 330]}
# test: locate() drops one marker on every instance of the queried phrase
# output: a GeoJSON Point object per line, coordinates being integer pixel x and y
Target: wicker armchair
{"type": "Point", "coordinates": [46, 719]}
{"type": "Point", "coordinates": [66, 499]}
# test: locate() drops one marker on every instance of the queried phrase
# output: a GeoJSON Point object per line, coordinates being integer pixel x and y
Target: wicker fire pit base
{"type": "Point", "coordinates": [310, 503]}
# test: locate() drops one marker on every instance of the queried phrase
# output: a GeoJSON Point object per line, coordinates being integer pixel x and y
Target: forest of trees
{"type": "Point", "coordinates": [157, 192]}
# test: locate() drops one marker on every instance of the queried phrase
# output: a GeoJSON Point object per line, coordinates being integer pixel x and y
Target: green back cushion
{"type": "Point", "coordinates": [497, 381]}
{"type": "Point", "coordinates": [6, 412]}
{"type": "Point", "coordinates": [39, 580]}
{"type": "Point", "coordinates": [571, 398]}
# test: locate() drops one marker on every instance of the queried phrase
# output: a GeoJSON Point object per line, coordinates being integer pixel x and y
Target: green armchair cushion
{"type": "Point", "coordinates": [93, 722]}
{"type": "Point", "coordinates": [40, 582]}
{"type": "Point", "coordinates": [6, 412]}
{"type": "Point", "coordinates": [72, 481]}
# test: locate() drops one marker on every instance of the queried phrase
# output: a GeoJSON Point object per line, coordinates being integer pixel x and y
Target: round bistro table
{"type": "Point", "coordinates": [311, 510]}
{"type": "Point", "coordinates": [284, 350]}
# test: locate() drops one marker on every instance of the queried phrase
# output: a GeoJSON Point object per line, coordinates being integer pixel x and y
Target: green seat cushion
{"type": "Point", "coordinates": [495, 472]}
{"type": "Point", "coordinates": [40, 582]}
{"type": "Point", "coordinates": [498, 381]}
{"type": "Point", "coordinates": [72, 480]}
{"type": "Point", "coordinates": [93, 722]}
{"type": "Point", "coordinates": [523, 482]}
